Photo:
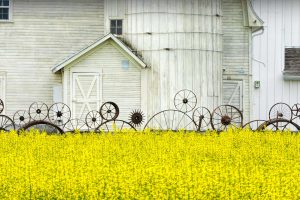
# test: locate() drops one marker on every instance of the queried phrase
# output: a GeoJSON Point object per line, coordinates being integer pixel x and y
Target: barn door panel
{"type": "Point", "coordinates": [233, 93]}
{"type": "Point", "coordinates": [85, 94]}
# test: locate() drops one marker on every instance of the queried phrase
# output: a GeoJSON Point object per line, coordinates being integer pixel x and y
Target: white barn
{"type": "Point", "coordinates": [64, 51]}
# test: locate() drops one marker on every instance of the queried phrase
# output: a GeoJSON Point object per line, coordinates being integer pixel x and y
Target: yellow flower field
{"type": "Point", "coordinates": [233, 165]}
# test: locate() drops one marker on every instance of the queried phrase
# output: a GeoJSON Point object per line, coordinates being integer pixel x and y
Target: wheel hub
{"type": "Point", "coordinates": [94, 119]}
{"type": "Point", "coordinates": [38, 111]}
{"type": "Point", "coordinates": [226, 120]}
{"type": "Point", "coordinates": [22, 118]}
{"type": "Point", "coordinates": [185, 101]}
{"type": "Point", "coordinates": [59, 114]}
{"type": "Point", "coordinates": [109, 111]}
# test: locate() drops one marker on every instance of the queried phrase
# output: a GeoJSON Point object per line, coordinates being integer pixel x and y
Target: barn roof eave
{"type": "Point", "coordinates": [82, 52]}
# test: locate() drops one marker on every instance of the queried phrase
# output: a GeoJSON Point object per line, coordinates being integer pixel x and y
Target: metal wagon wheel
{"type": "Point", "coordinates": [93, 119]}
{"type": "Point", "coordinates": [21, 118]}
{"type": "Point", "coordinates": [136, 118]}
{"type": "Point", "coordinates": [109, 111]}
{"type": "Point", "coordinates": [171, 120]}
{"type": "Point", "coordinates": [75, 124]}
{"type": "Point", "coordinates": [1, 106]}
{"type": "Point", "coordinates": [59, 113]}
{"type": "Point", "coordinates": [296, 110]}
{"type": "Point", "coordinates": [201, 117]}
{"type": "Point", "coordinates": [115, 126]}
{"type": "Point", "coordinates": [38, 111]}
{"type": "Point", "coordinates": [279, 125]}
{"type": "Point", "coordinates": [42, 126]}
{"type": "Point", "coordinates": [253, 125]}
{"type": "Point", "coordinates": [280, 111]}
{"type": "Point", "coordinates": [225, 116]}
{"type": "Point", "coordinates": [6, 123]}
{"type": "Point", "coordinates": [185, 101]}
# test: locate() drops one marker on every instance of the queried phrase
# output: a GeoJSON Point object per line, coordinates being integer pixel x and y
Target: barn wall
{"type": "Point", "coordinates": [42, 34]}
{"type": "Point", "coordinates": [117, 84]}
{"type": "Point", "coordinates": [282, 29]}
{"type": "Point", "coordinates": [236, 55]}
{"type": "Point", "coordinates": [181, 41]}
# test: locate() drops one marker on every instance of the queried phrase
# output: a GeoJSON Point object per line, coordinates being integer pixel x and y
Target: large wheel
{"type": "Point", "coordinates": [280, 111]}
{"type": "Point", "coordinates": [201, 117]}
{"type": "Point", "coordinates": [59, 114]}
{"type": "Point", "coordinates": [279, 125]}
{"type": "Point", "coordinates": [41, 125]}
{"type": "Point", "coordinates": [253, 125]}
{"type": "Point", "coordinates": [115, 126]}
{"type": "Point", "coordinates": [21, 118]}
{"type": "Point", "coordinates": [185, 101]}
{"type": "Point", "coordinates": [38, 111]}
{"type": "Point", "coordinates": [226, 116]}
{"type": "Point", "coordinates": [171, 120]}
{"type": "Point", "coordinates": [6, 124]}
{"type": "Point", "coordinates": [109, 111]}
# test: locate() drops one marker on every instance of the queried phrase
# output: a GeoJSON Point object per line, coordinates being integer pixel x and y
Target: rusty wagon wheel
{"type": "Point", "coordinates": [42, 126]}
{"type": "Point", "coordinates": [185, 101]}
{"type": "Point", "coordinates": [226, 116]}
{"type": "Point", "coordinates": [38, 111]}
{"type": "Point", "coordinates": [171, 120]}
{"type": "Point", "coordinates": [1, 106]}
{"type": "Point", "coordinates": [21, 118]}
{"type": "Point", "coordinates": [6, 123]}
{"type": "Point", "coordinates": [75, 124]}
{"type": "Point", "coordinates": [201, 117]}
{"type": "Point", "coordinates": [59, 114]}
{"type": "Point", "coordinates": [253, 125]}
{"type": "Point", "coordinates": [296, 110]}
{"type": "Point", "coordinates": [114, 126]}
{"type": "Point", "coordinates": [93, 119]}
{"type": "Point", "coordinates": [109, 111]}
{"type": "Point", "coordinates": [281, 111]}
{"type": "Point", "coordinates": [136, 118]}
{"type": "Point", "coordinates": [279, 125]}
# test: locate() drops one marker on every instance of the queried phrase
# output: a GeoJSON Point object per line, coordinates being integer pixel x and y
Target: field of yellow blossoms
{"type": "Point", "coordinates": [237, 164]}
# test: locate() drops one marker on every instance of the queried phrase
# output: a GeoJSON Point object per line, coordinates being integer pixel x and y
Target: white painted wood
{"type": "Point", "coordinates": [58, 93]}
{"type": "Point", "coordinates": [282, 30]}
{"type": "Point", "coordinates": [233, 93]}
{"type": "Point", "coordinates": [3, 90]}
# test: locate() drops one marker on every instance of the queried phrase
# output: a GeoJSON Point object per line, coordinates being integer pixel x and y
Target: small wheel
{"type": "Point", "coordinates": [75, 124]}
{"type": "Point", "coordinates": [226, 116]}
{"type": "Point", "coordinates": [136, 118]}
{"type": "Point", "coordinates": [253, 125]}
{"type": "Point", "coordinates": [1, 106]}
{"type": "Point", "coordinates": [281, 111]}
{"type": "Point", "coordinates": [115, 126]}
{"type": "Point", "coordinates": [279, 125]}
{"type": "Point", "coordinates": [38, 111]}
{"type": "Point", "coordinates": [201, 117]}
{"type": "Point", "coordinates": [296, 110]}
{"type": "Point", "coordinates": [185, 101]}
{"type": "Point", "coordinates": [93, 119]}
{"type": "Point", "coordinates": [6, 124]}
{"type": "Point", "coordinates": [59, 114]}
{"type": "Point", "coordinates": [109, 111]}
{"type": "Point", "coordinates": [21, 118]}
{"type": "Point", "coordinates": [42, 126]}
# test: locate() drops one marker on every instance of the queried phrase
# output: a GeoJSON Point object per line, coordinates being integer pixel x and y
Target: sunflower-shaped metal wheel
{"type": "Point", "coordinates": [136, 118]}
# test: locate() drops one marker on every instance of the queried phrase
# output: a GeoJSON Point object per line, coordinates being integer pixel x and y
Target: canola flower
{"type": "Point", "coordinates": [238, 164]}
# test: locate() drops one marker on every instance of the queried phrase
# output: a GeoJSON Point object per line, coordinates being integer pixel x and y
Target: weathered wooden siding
{"type": "Point", "coordinates": [282, 29]}
{"type": "Point", "coordinates": [236, 45]}
{"type": "Point", "coordinates": [42, 34]}
{"type": "Point", "coordinates": [117, 84]}
{"type": "Point", "coordinates": [182, 43]}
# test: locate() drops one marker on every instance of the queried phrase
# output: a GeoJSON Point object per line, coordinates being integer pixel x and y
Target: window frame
{"type": "Point", "coordinates": [10, 10]}
{"type": "Point", "coordinates": [116, 26]}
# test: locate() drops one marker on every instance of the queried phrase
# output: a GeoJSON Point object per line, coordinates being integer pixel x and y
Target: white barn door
{"type": "Point", "coordinates": [85, 94]}
{"type": "Point", "coordinates": [233, 93]}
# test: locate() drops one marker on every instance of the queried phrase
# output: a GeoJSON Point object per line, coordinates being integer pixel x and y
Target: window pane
{"type": "Point", "coordinates": [113, 30]}
{"type": "Point", "coordinates": [119, 23]}
{"type": "Point", "coordinates": [119, 31]}
{"type": "Point", "coordinates": [4, 13]}
{"type": "Point", "coordinates": [4, 2]}
{"type": "Point", "coordinates": [113, 23]}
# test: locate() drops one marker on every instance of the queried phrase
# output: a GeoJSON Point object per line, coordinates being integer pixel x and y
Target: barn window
{"type": "Point", "coordinates": [116, 26]}
{"type": "Point", "coordinates": [5, 9]}
{"type": "Point", "coordinates": [292, 62]}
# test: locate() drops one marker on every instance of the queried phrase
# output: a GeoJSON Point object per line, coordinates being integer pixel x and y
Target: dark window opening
{"type": "Point", "coordinates": [4, 9]}
{"type": "Point", "coordinates": [116, 26]}
{"type": "Point", "coordinates": [292, 60]}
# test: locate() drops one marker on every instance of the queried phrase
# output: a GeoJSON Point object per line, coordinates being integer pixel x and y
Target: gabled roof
{"type": "Point", "coordinates": [95, 45]}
